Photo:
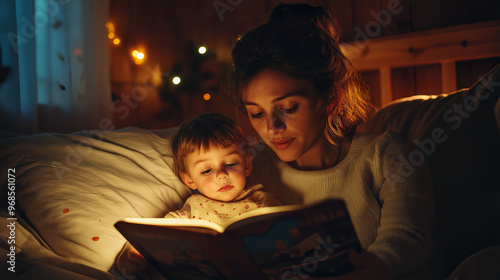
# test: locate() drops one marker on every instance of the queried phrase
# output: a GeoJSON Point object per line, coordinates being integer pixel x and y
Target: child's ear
{"type": "Point", "coordinates": [188, 181]}
{"type": "Point", "coordinates": [248, 164]}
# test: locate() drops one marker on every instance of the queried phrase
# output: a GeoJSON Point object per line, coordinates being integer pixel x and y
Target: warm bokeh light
{"type": "Point", "coordinates": [116, 41]}
{"type": "Point", "coordinates": [202, 50]}
{"type": "Point", "coordinates": [138, 56]}
{"type": "Point", "coordinates": [110, 26]}
{"type": "Point", "coordinates": [111, 31]}
{"type": "Point", "coordinates": [176, 80]}
{"type": "Point", "coordinates": [156, 76]}
{"type": "Point", "coordinates": [206, 96]}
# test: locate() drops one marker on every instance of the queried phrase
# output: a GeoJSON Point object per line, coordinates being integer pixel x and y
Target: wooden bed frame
{"type": "Point", "coordinates": [443, 46]}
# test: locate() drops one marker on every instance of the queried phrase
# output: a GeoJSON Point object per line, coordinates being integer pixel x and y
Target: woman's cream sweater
{"type": "Point", "coordinates": [387, 190]}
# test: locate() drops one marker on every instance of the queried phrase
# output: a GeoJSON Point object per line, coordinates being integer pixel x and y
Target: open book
{"type": "Point", "coordinates": [267, 243]}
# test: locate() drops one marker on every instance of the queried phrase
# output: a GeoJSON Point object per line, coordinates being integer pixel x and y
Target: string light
{"type": "Point", "coordinates": [111, 33]}
{"type": "Point", "coordinates": [110, 26]}
{"type": "Point", "coordinates": [202, 50]}
{"type": "Point", "coordinates": [176, 80]}
{"type": "Point", "coordinates": [206, 96]}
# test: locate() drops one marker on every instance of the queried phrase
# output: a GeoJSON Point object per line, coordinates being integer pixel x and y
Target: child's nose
{"type": "Point", "coordinates": [222, 174]}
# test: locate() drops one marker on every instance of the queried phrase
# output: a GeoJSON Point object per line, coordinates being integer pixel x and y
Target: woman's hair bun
{"type": "Point", "coordinates": [303, 14]}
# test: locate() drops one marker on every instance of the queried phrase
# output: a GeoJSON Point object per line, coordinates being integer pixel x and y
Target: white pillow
{"type": "Point", "coordinates": [74, 187]}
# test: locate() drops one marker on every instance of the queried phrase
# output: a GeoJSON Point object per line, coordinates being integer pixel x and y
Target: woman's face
{"type": "Point", "coordinates": [286, 113]}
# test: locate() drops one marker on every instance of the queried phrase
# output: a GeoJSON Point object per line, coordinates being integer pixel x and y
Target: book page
{"type": "Point", "coordinates": [252, 216]}
{"type": "Point", "coordinates": [176, 223]}
{"type": "Point", "coordinates": [210, 225]}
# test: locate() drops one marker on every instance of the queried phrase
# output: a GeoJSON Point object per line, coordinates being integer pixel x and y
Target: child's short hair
{"type": "Point", "coordinates": [205, 131]}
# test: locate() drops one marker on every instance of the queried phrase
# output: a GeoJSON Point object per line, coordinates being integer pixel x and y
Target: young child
{"type": "Point", "coordinates": [210, 157]}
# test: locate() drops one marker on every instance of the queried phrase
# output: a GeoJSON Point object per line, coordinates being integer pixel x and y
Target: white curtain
{"type": "Point", "coordinates": [63, 66]}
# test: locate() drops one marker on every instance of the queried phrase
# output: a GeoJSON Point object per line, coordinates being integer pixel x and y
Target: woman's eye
{"type": "Point", "coordinates": [289, 110]}
{"type": "Point", "coordinates": [206, 172]}
{"type": "Point", "coordinates": [256, 116]}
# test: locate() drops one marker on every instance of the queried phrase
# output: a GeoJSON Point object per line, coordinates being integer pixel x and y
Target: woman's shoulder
{"type": "Point", "coordinates": [385, 137]}
{"type": "Point", "coordinates": [386, 141]}
{"type": "Point", "coordinates": [385, 150]}
{"type": "Point", "coordinates": [395, 158]}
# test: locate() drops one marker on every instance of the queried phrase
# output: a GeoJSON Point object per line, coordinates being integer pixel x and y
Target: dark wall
{"type": "Point", "coordinates": [170, 31]}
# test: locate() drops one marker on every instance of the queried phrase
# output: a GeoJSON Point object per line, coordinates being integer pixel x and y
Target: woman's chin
{"type": "Point", "coordinates": [285, 156]}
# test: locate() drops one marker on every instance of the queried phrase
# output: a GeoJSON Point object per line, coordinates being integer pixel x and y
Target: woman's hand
{"type": "Point", "coordinates": [367, 266]}
{"type": "Point", "coordinates": [131, 263]}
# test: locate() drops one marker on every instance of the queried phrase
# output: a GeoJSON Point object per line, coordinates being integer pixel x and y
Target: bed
{"type": "Point", "coordinates": [68, 190]}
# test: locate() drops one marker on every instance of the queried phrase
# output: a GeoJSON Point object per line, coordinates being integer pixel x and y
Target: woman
{"type": "Point", "coordinates": [304, 100]}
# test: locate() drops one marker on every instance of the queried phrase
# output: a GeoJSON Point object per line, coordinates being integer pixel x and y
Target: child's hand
{"type": "Point", "coordinates": [131, 263]}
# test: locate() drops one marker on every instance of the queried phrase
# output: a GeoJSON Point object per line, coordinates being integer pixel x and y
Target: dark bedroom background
{"type": "Point", "coordinates": [74, 65]}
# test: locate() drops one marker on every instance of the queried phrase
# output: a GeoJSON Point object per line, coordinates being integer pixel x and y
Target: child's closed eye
{"type": "Point", "coordinates": [206, 172]}
{"type": "Point", "coordinates": [232, 164]}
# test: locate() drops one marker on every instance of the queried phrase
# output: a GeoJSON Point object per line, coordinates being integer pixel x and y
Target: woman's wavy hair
{"type": "Point", "coordinates": [302, 41]}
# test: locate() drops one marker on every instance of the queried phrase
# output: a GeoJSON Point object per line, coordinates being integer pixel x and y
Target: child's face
{"type": "Point", "coordinates": [219, 173]}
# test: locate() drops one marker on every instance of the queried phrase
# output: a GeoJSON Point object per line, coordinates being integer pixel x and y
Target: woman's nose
{"type": "Point", "coordinates": [275, 124]}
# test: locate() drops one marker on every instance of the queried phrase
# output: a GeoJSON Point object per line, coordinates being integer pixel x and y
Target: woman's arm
{"type": "Point", "coordinates": [403, 187]}
{"type": "Point", "coordinates": [404, 241]}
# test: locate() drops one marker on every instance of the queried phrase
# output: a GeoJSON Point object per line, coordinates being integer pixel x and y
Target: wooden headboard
{"type": "Point", "coordinates": [443, 46]}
